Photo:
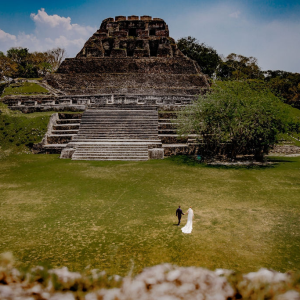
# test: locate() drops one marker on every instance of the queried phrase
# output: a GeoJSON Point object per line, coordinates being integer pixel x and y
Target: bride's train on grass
{"type": "Point", "coordinates": [189, 224]}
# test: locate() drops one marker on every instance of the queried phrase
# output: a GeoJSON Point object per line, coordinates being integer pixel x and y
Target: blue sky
{"type": "Point", "coordinates": [267, 29]}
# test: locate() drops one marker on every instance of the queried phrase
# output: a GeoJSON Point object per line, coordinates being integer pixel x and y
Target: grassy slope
{"type": "Point", "coordinates": [17, 130]}
{"type": "Point", "coordinates": [118, 215]}
{"type": "Point", "coordinates": [26, 88]}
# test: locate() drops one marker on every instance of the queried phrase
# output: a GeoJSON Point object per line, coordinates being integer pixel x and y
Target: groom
{"type": "Point", "coordinates": [178, 214]}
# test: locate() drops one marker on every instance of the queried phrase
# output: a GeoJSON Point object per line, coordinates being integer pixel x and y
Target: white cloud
{"type": "Point", "coordinates": [6, 37]}
{"type": "Point", "coordinates": [274, 43]}
{"type": "Point", "coordinates": [51, 31]}
{"type": "Point", "coordinates": [235, 14]}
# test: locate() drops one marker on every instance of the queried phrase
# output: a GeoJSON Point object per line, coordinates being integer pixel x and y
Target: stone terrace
{"type": "Point", "coordinates": [130, 56]}
{"type": "Point", "coordinates": [124, 73]}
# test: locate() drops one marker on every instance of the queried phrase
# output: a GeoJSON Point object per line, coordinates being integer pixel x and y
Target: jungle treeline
{"type": "Point", "coordinates": [285, 85]}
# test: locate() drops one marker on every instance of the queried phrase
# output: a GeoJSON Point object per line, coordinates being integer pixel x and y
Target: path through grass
{"type": "Point", "coordinates": [121, 215]}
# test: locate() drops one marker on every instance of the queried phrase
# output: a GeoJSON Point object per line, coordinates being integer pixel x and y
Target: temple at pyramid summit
{"type": "Point", "coordinates": [133, 56]}
{"type": "Point", "coordinates": [129, 80]}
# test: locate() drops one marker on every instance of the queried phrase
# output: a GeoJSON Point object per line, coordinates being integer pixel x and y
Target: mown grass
{"type": "Point", "coordinates": [119, 216]}
{"type": "Point", "coordinates": [24, 88]}
{"type": "Point", "coordinates": [18, 131]}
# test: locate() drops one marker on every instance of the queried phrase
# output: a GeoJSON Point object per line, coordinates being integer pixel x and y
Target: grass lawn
{"type": "Point", "coordinates": [18, 130]}
{"type": "Point", "coordinates": [119, 216]}
{"type": "Point", "coordinates": [25, 88]}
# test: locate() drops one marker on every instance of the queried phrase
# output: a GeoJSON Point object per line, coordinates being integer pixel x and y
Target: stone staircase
{"type": "Point", "coordinates": [112, 150]}
{"type": "Point", "coordinates": [115, 122]}
{"type": "Point", "coordinates": [62, 128]}
{"type": "Point", "coordinates": [172, 143]}
{"type": "Point", "coordinates": [114, 132]}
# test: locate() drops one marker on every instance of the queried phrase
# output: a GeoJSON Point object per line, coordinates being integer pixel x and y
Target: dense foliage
{"type": "Point", "coordinates": [19, 62]}
{"type": "Point", "coordinates": [237, 118]}
{"type": "Point", "coordinates": [204, 55]}
{"type": "Point", "coordinates": [285, 84]}
{"type": "Point", "coordinates": [239, 67]}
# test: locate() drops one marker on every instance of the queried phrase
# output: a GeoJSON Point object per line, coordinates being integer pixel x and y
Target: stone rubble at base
{"type": "Point", "coordinates": [163, 281]}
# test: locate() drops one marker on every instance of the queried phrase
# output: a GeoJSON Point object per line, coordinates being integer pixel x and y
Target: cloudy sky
{"type": "Point", "coordinates": [266, 29]}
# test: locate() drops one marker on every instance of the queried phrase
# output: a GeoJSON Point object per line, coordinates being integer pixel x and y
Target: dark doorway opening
{"type": "Point", "coordinates": [132, 32]}
{"type": "Point", "coordinates": [152, 32]}
{"type": "Point", "coordinates": [129, 52]}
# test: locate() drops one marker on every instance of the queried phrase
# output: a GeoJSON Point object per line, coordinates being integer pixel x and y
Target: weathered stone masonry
{"type": "Point", "coordinates": [125, 73]}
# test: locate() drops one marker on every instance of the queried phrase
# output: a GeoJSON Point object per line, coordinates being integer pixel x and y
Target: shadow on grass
{"type": "Point", "coordinates": [240, 167]}
{"type": "Point", "coordinates": [184, 160]}
{"type": "Point", "coordinates": [281, 159]}
{"type": "Point", "coordinates": [191, 161]}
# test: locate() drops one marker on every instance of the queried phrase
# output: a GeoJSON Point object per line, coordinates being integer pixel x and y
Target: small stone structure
{"type": "Point", "coordinates": [130, 68]}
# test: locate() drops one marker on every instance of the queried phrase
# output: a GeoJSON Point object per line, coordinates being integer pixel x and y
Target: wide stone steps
{"type": "Point", "coordinates": [64, 132]}
{"type": "Point", "coordinates": [128, 122]}
{"type": "Point", "coordinates": [64, 126]}
{"type": "Point", "coordinates": [109, 141]}
{"type": "Point", "coordinates": [123, 129]}
{"type": "Point", "coordinates": [69, 121]}
{"type": "Point", "coordinates": [127, 137]}
{"type": "Point", "coordinates": [112, 151]}
{"type": "Point", "coordinates": [118, 125]}
{"type": "Point", "coordinates": [115, 132]}
{"type": "Point", "coordinates": [167, 131]}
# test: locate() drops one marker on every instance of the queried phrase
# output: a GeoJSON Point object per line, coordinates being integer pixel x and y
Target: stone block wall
{"type": "Point", "coordinates": [178, 65]}
{"type": "Point", "coordinates": [30, 104]}
{"type": "Point", "coordinates": [129, 83]}
{"type": "Point", "coordinates": [130, 56]}
{"type": "Point", "coordinates": [131, 31]}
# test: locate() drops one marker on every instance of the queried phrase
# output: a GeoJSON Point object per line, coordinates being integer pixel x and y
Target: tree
{"type": "Point", "coordinates": [207, 57]}
{"type": "Point", "coordinates": [284, 84]}
{"type": "Point", "coordinates": [42, 62]}
{"type": "Point", "coordinates": [237, 67]}
{"type": "Point", "coordinates": [21, 57]}
{"type": "Point", "coordinates": [8, 68]}
{"type": "Point", "coordinates": [36, 64]}
{"type": "Point", "coordinates": [57, 56]}
{"type": "Point", "coordinates": [236, 118]}
{"type": "Point", "coordinates": [17, 54]}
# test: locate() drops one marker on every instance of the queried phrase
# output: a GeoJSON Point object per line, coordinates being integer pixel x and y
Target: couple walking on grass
{"type": "Point", "coordinates": [189, 224]}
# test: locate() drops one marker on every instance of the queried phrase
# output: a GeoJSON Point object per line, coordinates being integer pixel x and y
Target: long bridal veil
{"type": "Point", "coordinates": [189, 225]}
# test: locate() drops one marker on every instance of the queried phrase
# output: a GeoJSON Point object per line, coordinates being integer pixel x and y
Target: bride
{"type": "Point", "coordinates": [189, 225]}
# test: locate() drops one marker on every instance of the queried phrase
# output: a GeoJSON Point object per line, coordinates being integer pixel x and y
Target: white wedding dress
{"type": "Point", "coordinates": [189, 225]}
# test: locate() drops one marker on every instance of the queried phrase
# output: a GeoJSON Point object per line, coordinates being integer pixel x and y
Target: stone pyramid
{"type": "Point", "coordinates": [130, 56]}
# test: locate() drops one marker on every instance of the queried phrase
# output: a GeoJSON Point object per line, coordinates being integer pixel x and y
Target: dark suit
{"type": "Point", "coordinates": [179, 213]}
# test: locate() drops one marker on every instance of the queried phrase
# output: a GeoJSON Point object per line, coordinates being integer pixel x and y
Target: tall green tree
{"type": "Point", "coordinates": [239, 67]}
{"type": "Point", "coordinates": [206, 56]}
{"type": "Point", "coordinates": [284, 84]}
{"type": "Point", "coordinates": [21, 56]}
{"type": "Point", "coordinates": [8, 68]}
{"type": "Point", "coordinates": [237, 118]}
{"type": "Point", "coordinates": [36, 64]}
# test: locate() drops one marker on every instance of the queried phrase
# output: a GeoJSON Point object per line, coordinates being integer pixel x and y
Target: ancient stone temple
{"type": "Point", "coordinates": [133, 56]}
{"type": "Point", "coordinates": [129, 79]}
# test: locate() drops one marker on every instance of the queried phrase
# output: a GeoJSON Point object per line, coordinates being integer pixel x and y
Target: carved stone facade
{"type": "Point", "coordinates": [132, 55]}
{"type": "Point", "coordinates": [131, 37]}
{"type": "Point", "coordinates": [128, 70]}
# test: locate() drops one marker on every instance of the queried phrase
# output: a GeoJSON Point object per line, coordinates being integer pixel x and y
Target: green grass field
{"type": "Point", "coordinates": [118, 216]}
{"type": "Point", "coordinates": [25, 88]}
